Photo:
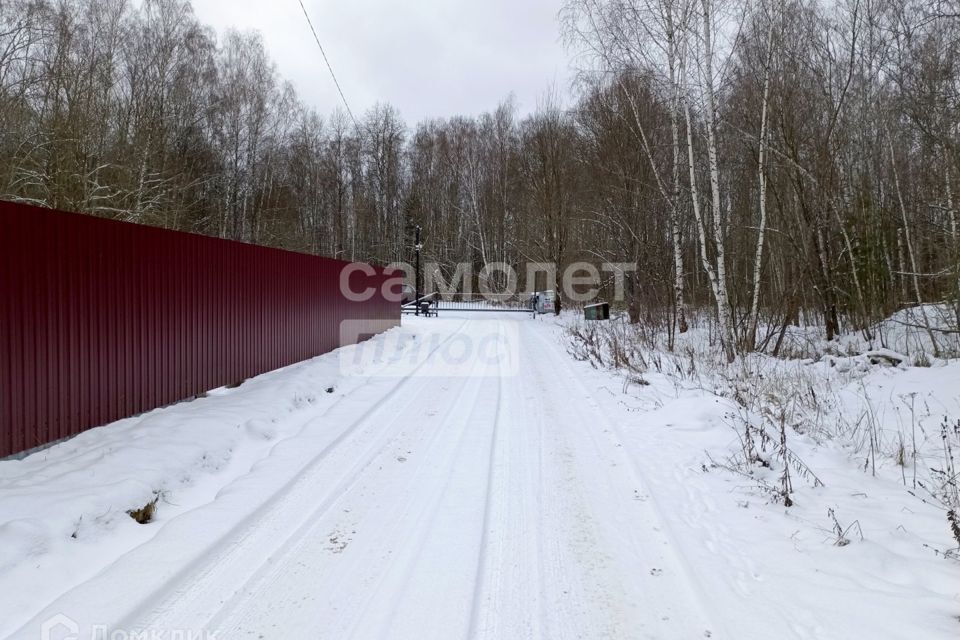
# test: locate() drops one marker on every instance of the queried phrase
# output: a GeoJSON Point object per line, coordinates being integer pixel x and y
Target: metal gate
{"type": "Point", "coordinates": [435, 303]}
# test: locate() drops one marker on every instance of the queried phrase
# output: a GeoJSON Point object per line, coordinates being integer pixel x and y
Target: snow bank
{"type": "Point", "coordinates": [64, 510]}
{"type": "Point", "coordinates": [866, 549]}
{"type": "Point", "coordinates": [918, 332]}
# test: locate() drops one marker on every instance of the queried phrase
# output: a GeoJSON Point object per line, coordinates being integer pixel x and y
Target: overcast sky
{"type": "Point", "coordinates": [428, 58]}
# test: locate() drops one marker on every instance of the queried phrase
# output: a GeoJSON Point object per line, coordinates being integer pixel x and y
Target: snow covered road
{"type": "Point", "coordinates": [482, 510]}
{"type": "Point", "coordinates": [458, 477]}
{"type": "Point", "coordinates": [474, 496]}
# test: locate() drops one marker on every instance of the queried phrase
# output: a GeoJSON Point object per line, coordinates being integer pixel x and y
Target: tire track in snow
{"type": "Point", "coordinates": [274, 597]}
{"type": "Point", "coordinates": [31, 621]}
{"type": "Point", "coordinates": [687, 587]}
{"type": "Point", "coordinates": [482, 576]}
{"type": "Point", "coordinates": [507, 600]}
{"type": "Point", "coordinates": [299, 423]}
{"type": "Point", "coordinates": [261, 529]}
{"type": "Point", "coordinates": [430, 590]}
{"type": "Point", "coordinates": [581, 588]}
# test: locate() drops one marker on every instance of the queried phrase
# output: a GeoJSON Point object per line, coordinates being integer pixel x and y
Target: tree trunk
{"type": "Point", "coordinates": [720, 279]}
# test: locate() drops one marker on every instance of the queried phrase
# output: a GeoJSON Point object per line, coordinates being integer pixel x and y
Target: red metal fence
{"type": "Point", "coordinates": [102, 319]}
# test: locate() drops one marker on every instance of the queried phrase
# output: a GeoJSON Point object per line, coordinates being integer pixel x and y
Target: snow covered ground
{"type": "Point", "coordinates": [465, 477]}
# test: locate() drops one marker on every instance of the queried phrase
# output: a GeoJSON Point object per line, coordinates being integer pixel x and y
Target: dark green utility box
{"type": "Point", "coordinates": [599, 311]}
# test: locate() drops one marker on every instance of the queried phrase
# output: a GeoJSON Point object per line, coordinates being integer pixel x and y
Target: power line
{"type": "Point", "coordinates": [330, 68]}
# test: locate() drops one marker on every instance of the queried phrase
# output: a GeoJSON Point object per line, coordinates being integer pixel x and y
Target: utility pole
{"type": "Point", "coordinates": [416, 273]}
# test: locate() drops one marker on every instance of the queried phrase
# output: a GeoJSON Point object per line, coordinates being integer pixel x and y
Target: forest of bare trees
{"type": "Point", "coordinates": [769, 160]}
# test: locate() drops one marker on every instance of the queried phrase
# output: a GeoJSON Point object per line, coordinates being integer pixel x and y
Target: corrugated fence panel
{"type": "Point", "coordinates": [102, 320]}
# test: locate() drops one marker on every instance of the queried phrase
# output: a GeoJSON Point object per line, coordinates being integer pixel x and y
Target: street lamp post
{"type": "Point", "coordinates": [416, 274]}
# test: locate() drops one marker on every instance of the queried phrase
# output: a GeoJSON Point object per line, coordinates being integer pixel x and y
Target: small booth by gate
{"type": "Point", "coordinates": [598, 311]}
